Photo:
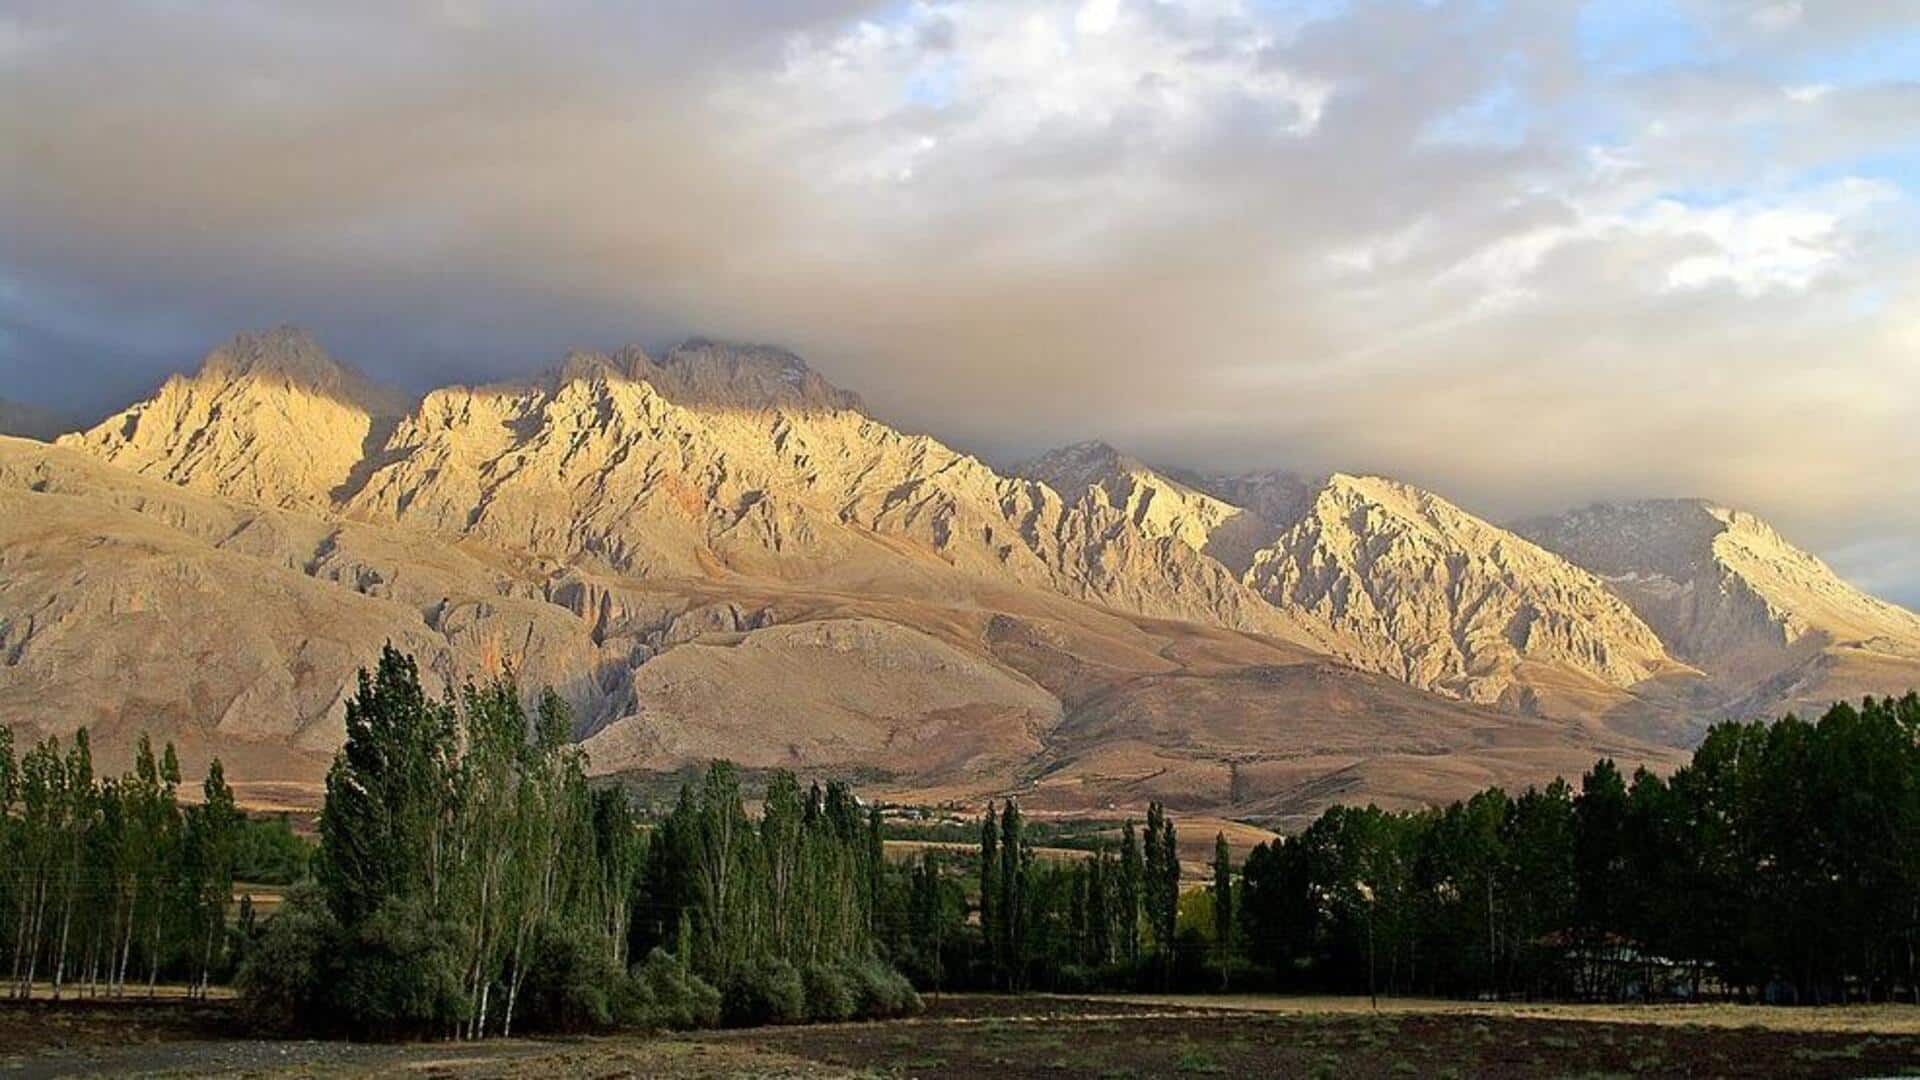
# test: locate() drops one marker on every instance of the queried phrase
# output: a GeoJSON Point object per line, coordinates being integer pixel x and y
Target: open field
{"type": "Point", "coordinates": [1903, 1020]}
{"type": "Point", "coordinates": [1013, 1038]}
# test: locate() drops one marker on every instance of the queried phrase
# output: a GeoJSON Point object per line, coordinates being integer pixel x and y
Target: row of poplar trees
{"type": "Point", "coordinates": [1782, 863]}
{"type": "Point", "coordinates": [106, 881]}
{"type": "Point", "coordinates": [459, 846]}
{"type": "Point", "coordinates": [1110, 910]}
{"type": "Point", "coordinates": [801, 885]}
{"type": "Point", "coordinates": [469, 882]}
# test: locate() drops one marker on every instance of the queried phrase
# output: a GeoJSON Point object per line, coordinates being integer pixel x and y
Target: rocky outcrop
{"type": "Point", "coordinates": [269, 418]}
{"type": "Point", "coordinates": [1159, 506]}
{"type": "Point", "coordinates": [1433, 595]}
{"type": "Point", "coordinates": [743, 464]}
{"type": "Point", "coordinates": [1727, 592]}
{"type": "Point", "coordinates": [1386, 576]}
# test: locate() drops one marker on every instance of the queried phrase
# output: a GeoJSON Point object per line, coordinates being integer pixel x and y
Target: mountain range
{"type": "Point", "coordinates": [716, 552]}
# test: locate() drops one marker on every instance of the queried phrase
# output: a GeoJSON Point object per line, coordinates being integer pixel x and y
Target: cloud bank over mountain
{"type": "Point", "coordinates": [1532, 254]}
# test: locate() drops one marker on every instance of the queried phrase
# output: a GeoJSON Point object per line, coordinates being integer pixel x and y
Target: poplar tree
{"type": "Point", "coordinates": [1014, 914]}
{"type": "Point", "coordinates": [211, 831]}
{"type": "Point", "coordinates": [990, 931]}
{"type": "Point", "coordinates": [1223, 905]}
{"type": "Point", "coordinates": [1129, 899]}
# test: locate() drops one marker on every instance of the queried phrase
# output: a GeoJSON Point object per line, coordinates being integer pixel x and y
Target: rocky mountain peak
{"type": "Point", "coordinates": [1722, 586]}
{"type": "Point", "coordinates": [716, 374]}
{"type": "Point", "coordinates": [1420, 588]}
{"type": "Point", "coordinates": [629, 362]}
{"type": "Point", "coordinates": [1276, 496]}
{"type": "Point", "coordinates": [729, 461]}
{"type": "Point", "coordinates": [268, 418]}
{"type": "Point", "coordinates": [1669, 537]}
{"type": "Point", "coordinates": [288, 356]}
{"type": "Point", "coordinates": [1365, 501]}
{"type": "Point", "coordinates": [1070, 470]}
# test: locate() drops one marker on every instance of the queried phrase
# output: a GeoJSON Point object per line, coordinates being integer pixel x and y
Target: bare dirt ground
{"type": "Point", "coordinates": [1017, 1038]}
{"type": "Point", "coordinates": [1903, 1020]}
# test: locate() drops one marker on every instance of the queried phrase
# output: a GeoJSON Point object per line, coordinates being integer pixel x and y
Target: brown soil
{"type": "Point", "coordinates": [975, 1035]}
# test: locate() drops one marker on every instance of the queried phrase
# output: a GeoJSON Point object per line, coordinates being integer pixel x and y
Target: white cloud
{"type": "Point", "coordinates": [1760, 247]}
{"type": "Point", "coordinates": [1778, 17]}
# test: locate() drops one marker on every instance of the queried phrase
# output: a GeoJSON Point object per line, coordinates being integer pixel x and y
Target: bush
{"type": "Point", "coordinates": [398, 974]}
{"type": "Point", "coordinates": [571, 985]}
{"type": "Point", "coordinates": [283, 982]}
{"type": "Point", "coordinates": [1075, 979]}
{"type": "Point", "coordinates": [766, 992]}
{"type": "Point", "coordinates": [268, 852]}
{"type": "Point", "coordinates": [881, 991]}
{"type": "Point", "coordinates": [830, 993]}
{"type": "Point", "coordinates": [662, 993]}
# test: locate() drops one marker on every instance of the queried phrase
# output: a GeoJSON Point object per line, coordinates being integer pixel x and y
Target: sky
{"type": "Point", "coordinates": [1530, 255]}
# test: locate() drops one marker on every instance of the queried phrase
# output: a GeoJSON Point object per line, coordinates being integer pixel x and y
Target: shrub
{"type": "Point", "coordinates": [397, 974]}
{"type": "Point", "coordinates": [665, 994]}
{"type": "Point", "coordinates": [881, 991]}
{"type": "Point", "coordinates": [571, 984]}
{"type": "Point", "coordinates": [767, 992]}
{"type": "Point", "coordinates": [283, 981]}
{"type": "Point", "coordinates": [830, 993]}
{"type": "Point", "coordinates": [1074, 979]}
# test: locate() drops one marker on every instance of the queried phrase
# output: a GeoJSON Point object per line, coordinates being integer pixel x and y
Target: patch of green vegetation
{"type": "Point", "coordinates": [1198, 1061]}
{"type": "Point", "coordinates": [1850, 1052]}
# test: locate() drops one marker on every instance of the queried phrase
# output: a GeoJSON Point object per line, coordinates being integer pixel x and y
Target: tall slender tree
{"type": "Point", "coordinates": [1223, 906]}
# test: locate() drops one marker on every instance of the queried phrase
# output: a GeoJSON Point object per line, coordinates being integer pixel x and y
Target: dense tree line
{"type": "Point", "coordinates": [109, 881]}
{"type": "Point", "coordinates": [470, 882]}
{"type": "Point", "coordinates": [1004, 919]}
{"type": "Point", "coordinates": [784, 914]}
{"type": "Point", "coordinates": [1782, 863]}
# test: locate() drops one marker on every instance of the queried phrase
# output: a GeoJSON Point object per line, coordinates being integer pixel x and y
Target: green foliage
{"type": "Point", "coordinates": [268, 852]}
{"type": "Point", "coordinates": [472, 881]}
{"type": "Point", "coordinates": [881, 992]}
{"type": "Point", "coordinates": [764, 992]}
{"type": "Point", "coordinates": [1222, 897]}
{"type": "Point", "coordinates": [464, 862]}
{"type": "Point", "coordinates": [830, 993]}
{"type": "Point", "coordinates": [666, 994]}
{"type": "Point", "coordinates": [284, 983]}
{"type": "Point", "coordinates": [396, 971]}
{"type": "Point", "coordinates": [101, 877]}
{"type": "Point", "coordinates": [573, 983]}
{"type": "Point", "coordinates": [1782, 863]}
